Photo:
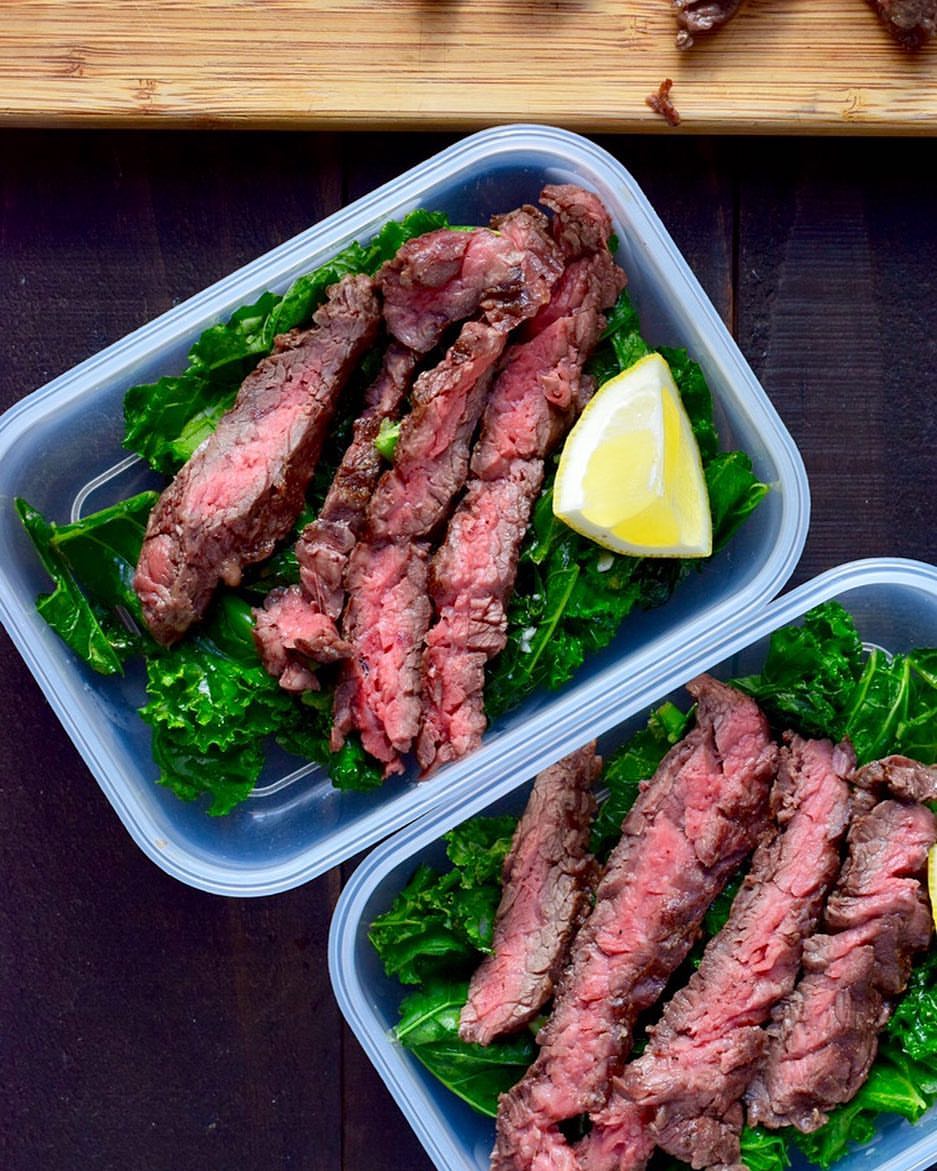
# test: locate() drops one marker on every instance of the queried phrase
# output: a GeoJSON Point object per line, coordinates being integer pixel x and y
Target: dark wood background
{"type": "Point", "coordinates": [148, 1026]}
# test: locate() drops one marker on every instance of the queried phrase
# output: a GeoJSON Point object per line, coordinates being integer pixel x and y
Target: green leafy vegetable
{"type": "Point", "coordinates": [913, 1024]}
{"type": "Point", "coordinates": [818, 677]}
{"type": "Point", "coordinates": [387, 437]}
{"type": "Point", "coordinates": [445, 921]}
{"type": "Point", "coordinates": [429, 1028]}
{"type": "Point", "coordinates": [764, 1150]}
{"type": "Point", "coordinates": [92, 562]}
{"type": "Point", "coordinates": [166, 420]}
{"type": "Point", "coordinates": [212, 706]}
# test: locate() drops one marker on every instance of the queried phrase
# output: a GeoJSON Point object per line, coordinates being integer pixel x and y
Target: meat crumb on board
{"type": "Point", "coordinates": [661, 104]}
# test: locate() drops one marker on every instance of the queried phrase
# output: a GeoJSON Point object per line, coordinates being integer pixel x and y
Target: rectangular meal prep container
{"type": "Point", "coordinates": [60, 448]}
{"type": "Point", "coordinates": [894, 603]}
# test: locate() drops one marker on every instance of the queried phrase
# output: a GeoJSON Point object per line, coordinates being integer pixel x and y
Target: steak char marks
{"type": "Point", "coordinates": [684, 1092]}
{"type": "Point", "coordinates": [379, 692]}
{"type": "Point", "coordinates": [692, 825]}
{"type": "Point", "coordinates": [825, 1035]}
{"type": "Point", "coordinates": [299, 623]}
{"type": "Point", "coordinates": [243, 488]}
{"type": "Point", "coordinates": [539, 391]}
{"type": "Point", "coordinates": [546, 888]}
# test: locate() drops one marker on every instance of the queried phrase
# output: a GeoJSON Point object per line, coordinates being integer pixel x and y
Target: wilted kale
{"type": "Point", "coordinates": [443, 923]}
{"type": "Point", "coordinates": [429, 1028]}
{"type": "Point", "coordinates": [93, 607]}
{"type": "Point", "coordinates": [818, 678]}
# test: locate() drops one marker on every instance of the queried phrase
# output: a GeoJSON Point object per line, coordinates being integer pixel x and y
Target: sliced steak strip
{"type": "Point", "coordinates": [430, 466]}
{"type": "Point", "coordinates": [288, 632]}
{"type": "Point", "coordinates": [299, 623]}
{"type": "Point", "coordinates": [471, 578]}
{"type": "Point", "coordinates": [387, 613]}
{"type": "Point", "coordinates": [691, 826]}
{"type": "Point", "coordinates": [546, 891]}
{"type": "Point", "coordinates": [539, 391]}
{"type": "Point", "coordinates": [379, 692]}
{"type": "Point", "coordinates": [446, 276]}
{"type": "Point", "coordinates": [683, 1093]}
{"type": "Point", "coordinates": [582, 224]}
{"type": "Point", "coordinates": [903, 778]}
{"type": "Point", "coordinates": [702, 16]}
{"type": "Point", "coordinates": [825, 1035]}
{"type": "Point", "coordinates": [910, 22]}
{"type": "Point", "coordinates": [244, 486]}
{"type": "Point", "coordinates": [432, 456]}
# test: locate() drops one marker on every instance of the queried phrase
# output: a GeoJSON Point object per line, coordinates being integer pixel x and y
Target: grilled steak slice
{"type": "Point", "coordinates": [683, 1093]}
{"type": "Point", "coordinates": [387, 614]}
{"type": "Point", "coordinates": [470, 579]}
{"type": "Point", "coordinates": [691, 826]}
{"type": "Point", "coordinates": [430, 465]}
{"type": "Point", "coordinates": [702, 16]}
{"type": "Point", "coordinates": [546, 890]}
{"type": "Point", "coordinates": [243, 488]}
{"type": "Point", "coordinates": [903, 778]}
{"type": "Point", "coordinates": [432, 455]}
{"type": "Point", "coordinates": [582, 224]}
{"type": "Point", "coordinates": [825, 1036]}
{"type": "Point", "coordinates": [325, 544]}
{"type": "Point", "coordinates": [443, 277]}
{"type": "Point", "coordinates": [379, 691]}
{"type": "Point", "coordinates": [539, 391]}
{"type": "Point", "coordinates": [299, 623]}
{"type": "Point", "coordinates": [910, 22]}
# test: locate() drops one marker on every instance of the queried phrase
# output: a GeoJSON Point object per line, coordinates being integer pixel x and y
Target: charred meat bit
{"type": "Point", "coordinates": [660, 102]}
{"type": "Point", "coordinates": [695, 17]}
{"type": "Point", "coordinates": [910, 22]}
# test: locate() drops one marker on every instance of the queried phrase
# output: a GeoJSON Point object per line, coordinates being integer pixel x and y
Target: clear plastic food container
{"type": "Point", "coordinates": [894, 603]}
{"type": "Point", "coordinates": [60, 448]}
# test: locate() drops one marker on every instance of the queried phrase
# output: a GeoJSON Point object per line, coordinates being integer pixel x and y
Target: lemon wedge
{"type": "Point", "coordinates": [630, 475]}
{"type": "Point", "coordinates": [932, 881]}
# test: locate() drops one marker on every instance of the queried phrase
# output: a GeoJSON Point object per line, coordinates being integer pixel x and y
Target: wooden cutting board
{"type": "Point", "coordinates": [806, 66]}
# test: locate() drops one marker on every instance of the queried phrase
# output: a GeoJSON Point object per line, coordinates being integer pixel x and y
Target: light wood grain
{"type": "Point", "coordinates": [782, 66]}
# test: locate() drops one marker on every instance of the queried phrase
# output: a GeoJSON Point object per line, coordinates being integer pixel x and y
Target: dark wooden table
{"type": "Point", "coordinates": [150, 1027]}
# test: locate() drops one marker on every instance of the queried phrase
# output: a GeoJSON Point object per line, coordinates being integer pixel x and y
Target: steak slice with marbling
{"type": "Point", "coordinates": [243, 488]}
{"type": "Point", "coordinates": [297, 626]}
{"type": "Point", "coordinates": [825, 1036]}
{"type": "Point", "coordinates": [546, 890]}
{"type": "Point", "coordinates": [539, 391]}
{"type": "Point", "coordinates": [691, 826]}
{"type": "Point", "coordinates": [683, 1093]}
{"type": "Point", "coordinates": [505, 273]}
